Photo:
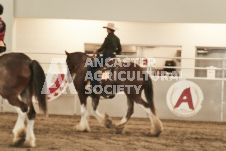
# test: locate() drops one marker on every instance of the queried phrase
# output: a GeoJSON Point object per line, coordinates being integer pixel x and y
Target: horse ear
{"type": "Point", "coordinates": [66, 53]}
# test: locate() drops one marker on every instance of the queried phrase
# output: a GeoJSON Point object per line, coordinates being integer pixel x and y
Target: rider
{"type": "Point", "coordinates": [110, 46]}
{"type": "Point", "coordinates": [2, 32]}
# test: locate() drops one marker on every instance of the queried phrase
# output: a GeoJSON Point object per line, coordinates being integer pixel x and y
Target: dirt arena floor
{"type": "Point", "coordinates": [56, 133]}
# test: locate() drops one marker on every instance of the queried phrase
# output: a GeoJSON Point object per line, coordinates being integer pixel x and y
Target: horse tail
{"type": "Point", "coordinates": [148, 91]}
{"type": "Point", "coordinates": [37, 85]}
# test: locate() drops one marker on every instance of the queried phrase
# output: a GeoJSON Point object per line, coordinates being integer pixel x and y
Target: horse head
{"type": "Point", "coordinates": [74, 62]}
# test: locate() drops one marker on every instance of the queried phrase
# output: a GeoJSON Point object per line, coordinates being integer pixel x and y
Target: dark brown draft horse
{"type": "Point", "coordinates": [20, 79]}
{"type": "Point", "coordinates": [76, 65]}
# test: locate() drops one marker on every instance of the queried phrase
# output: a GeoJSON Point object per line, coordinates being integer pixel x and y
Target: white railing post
{"type": "Point", "coordinates": [1, 105]}
{"type": "Point", "coordinates": [222, 91]}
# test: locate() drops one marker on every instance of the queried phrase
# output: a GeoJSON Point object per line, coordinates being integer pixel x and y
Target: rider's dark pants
{"type": "Point", "coordinates": [98, 62]}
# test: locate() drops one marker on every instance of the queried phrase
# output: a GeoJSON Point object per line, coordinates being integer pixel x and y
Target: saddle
{"type": "Point", "coordinates": [106, 72]}
{"type": "Point", "coordinates": [108, 67]}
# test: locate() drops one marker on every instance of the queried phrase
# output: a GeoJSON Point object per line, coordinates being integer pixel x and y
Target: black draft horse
{"type": "Point", "coordinates": [76, 64]}
{"type": "Point", "coordinates": [20, 79]}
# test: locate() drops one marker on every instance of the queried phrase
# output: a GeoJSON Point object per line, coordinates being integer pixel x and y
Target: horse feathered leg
{"type": "Point", "coordinates": [107, 121]}
{"type": "Point", "coordinates": [20, 135]}
{"type": "Point", "coordinates": [149, 107]}
{"type": "Point", "coordinates": [120, 126]}
{"type": "Point", "coordinates": [31, 115]}
{"type": "Point", "coordinates": [83, 125]}
{"type": "Point", "coordinates": [103, 119]}
{"type": "Point", "coordinates": [156, 124]}
{"type": "Point", "coordinates": [95, 112]}
{"type": "Point", "coordinates": [30, 137]}
{"type": "Point", "coordinates": [19, 128]}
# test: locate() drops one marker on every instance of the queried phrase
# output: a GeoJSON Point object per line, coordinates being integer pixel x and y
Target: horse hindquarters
{"type": "Point", "coordinates": [36, 88]}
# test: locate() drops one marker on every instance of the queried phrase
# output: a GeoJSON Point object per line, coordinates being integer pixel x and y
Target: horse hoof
{"type": "Point", "coordinates": [155, 133]}
{"type": "Point", "coordinates": [158, 128]}
{"type": "Point", "coordinates": [30, 143]}
{"type": "Point", "coordinates": [80, 128]}
{"type": "Point", "coordinates": [19, 138]}
{"type": "Point", "coordinates": [119, 129]}
{"type": "Point", "coordinates": [18, 142]}
{"type": "Point", "coordinates": [107, 121]}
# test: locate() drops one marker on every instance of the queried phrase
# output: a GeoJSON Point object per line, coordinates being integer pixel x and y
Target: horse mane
{"type": "Point", "coordinates": [76, 61]}
{"type": "Point", "coordinates": [79, 53]}
{"type": "Point", "coordinates": [80, 56]}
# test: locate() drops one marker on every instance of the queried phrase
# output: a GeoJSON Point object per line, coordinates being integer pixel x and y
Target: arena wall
{"type": "Point", "coordinates": [212, 107]}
